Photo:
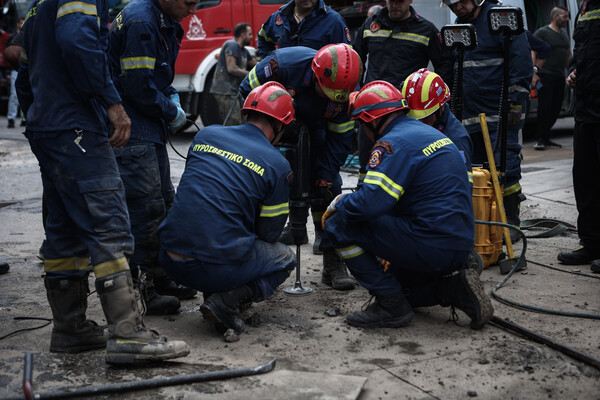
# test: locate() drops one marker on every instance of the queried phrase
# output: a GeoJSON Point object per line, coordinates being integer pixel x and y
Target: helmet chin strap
{"type": "Point", "coordinates": [467, 18]}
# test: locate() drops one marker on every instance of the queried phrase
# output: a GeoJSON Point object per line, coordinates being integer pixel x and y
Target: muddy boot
{"type": "Point", "coordinates": [223, 308]}
{"type": "Point", "coordinates": [317, 244]}
{"type": "Point", "coordinates": [390, 311]}
{"type": "Point", "coordinates": [286, 236]}
{"type": "Point", "coordinates": [334, 271]}
{"type": "Point", "coordinates": [464, 291]}
{"type": "Point", "coordinates": [129, 340]}
{"type": "Point", "coordinates": [512, 208]}
{"type": "Point", "coordinates": [167, 287]}
{"type": "Point", "coordinates": [155, 304]}
{"type": "Point", "coordinates": [72, 333]}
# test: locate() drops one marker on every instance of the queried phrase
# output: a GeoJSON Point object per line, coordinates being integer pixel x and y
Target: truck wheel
{"type": "Point", "coordinates": [207, 105]}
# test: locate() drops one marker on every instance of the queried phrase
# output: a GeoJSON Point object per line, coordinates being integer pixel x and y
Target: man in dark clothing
{"type": "Point", "coordinates": [397, 42]}
{"type": "Point", "coordinates": [584, 77]}
{"type": "Point", "coordinates": [232, 67]}
{"type": "Point", "coordinates": [552, 76]}
{"type": "Point", "coordinates": [220, 237]}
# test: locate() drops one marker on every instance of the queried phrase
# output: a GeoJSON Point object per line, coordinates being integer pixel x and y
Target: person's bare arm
{"type": "Point", "coordinates": [121, 125]}
{"type": "Point", "coordinates": [232, 67]}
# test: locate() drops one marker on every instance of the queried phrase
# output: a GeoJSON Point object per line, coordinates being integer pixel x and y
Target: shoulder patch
{"type": "Point", "coordinates": [375, 158]}
{"type": "Point", "coordinates": [375, 26]}
{"type": "Point", "coordinates": [348, 35]}
{"type": "Point", "coordinates": [385, 145]}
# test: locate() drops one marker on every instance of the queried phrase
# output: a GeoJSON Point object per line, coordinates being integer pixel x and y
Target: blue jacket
{"type": "Point", "coordinates": [143, 46]}
{"type": "Point", "coordinates": [483, 72]}
{"type": "Point", "coordinates": [417, 174]}
{"type": "Point", "coordinates": [455, 131]}
{"type": "Point", "coordinates": [233, 191]}
{"type": "Point", "coordinates": [321, 27]}
{"type": "Point", "coordinates": [64, 81]}
{"type": "Point", "coordinates": [292, 68]}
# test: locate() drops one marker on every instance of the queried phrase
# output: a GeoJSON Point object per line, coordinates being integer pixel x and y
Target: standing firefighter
{"type": "Point", "coordinates": [482, 82]}
{"type": "Point", "coordinates": [231, 205]}
{"type": "Point", "coordinates": [414, 210]}
{"type": "Point", "coordinates": [65, 89]}
{"type": "Point", "coordinates": [144, 42]}
{"type": "Point", "coordinates": [320, 83]}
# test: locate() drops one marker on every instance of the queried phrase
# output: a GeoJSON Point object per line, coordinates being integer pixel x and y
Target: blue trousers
{"type": "Point", "coordinates": [264, 269]}
{"type": "Point", "coordinates": [146, 175]}
{"type": "Point", "coordinates": [414, 267]}
{"type": "Point", "coordinates": [87, 212]}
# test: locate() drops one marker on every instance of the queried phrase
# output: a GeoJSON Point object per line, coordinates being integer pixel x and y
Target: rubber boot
{"type": "Point", "coordinates": [389, 311]}
{"type": "Point", "coordinates": [465, 291]}
{"type": "Point", "coordinates": [334, 271]}
{"type": "Point", "coordinates": [129, 340]}
{"type": "Point", "coordinates": [317, 244]}
{"type": "Point", "coordinates": [223, 308]}
{"type": "Point", "coordinates": [167, 287]}
{"type": "Point", "coordinates": [72, 333]}
{"type": "Point", "coordinates": [155, 304]}
{"type": "Point", "coordinates": [512, 208]}
{"type": "Point", "coordinates": [286, 236]}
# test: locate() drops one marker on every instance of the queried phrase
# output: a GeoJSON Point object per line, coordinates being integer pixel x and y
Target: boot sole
{"type": "Point", "coordinates": [135, 358]}
{"type": "Point", "coordinates": [485, 305]}
{"type": "Point", "coordinates": [210, 315]}
{"type": "Point", "coordinates": [77, 349]}
{"type": "Point", "coordinates": [397, 322]}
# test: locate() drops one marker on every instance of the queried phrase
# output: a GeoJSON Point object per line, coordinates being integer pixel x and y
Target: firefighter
{"type": "Point", "coordinates": [320, 82]}
{"type": "Point", "coordinates": [144, 41]}
{"type": "Point", "coordinates": [426, 94]}
{"type": "Point", "coordinates": [66, 92]}
{"type": "Point", "coordinates": [308, 23]}
{"type": "Point", "coordinates": [231, 205]}
{"type": "Point", "coordinates": [414, 210]}
{"type": "Point", "coordinates": [482, 80]}
{"type": "Point", "coordinates": [397, 42]}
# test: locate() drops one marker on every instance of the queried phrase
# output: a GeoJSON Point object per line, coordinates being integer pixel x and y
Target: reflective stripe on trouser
{"type": "Point", "coordinates": [261, 268]}
{"type": "Point", "coordinates": [87, 214]}
{"type": "Point", "coordinates": [391, 239]}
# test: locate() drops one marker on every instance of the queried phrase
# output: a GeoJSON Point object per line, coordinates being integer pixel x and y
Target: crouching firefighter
{"type": "Point", "coordinates": [414, 210]}
{"type": "Point", "coordinates": [65, 89]}
{"type": "Point", "coordinates": [232, 202]}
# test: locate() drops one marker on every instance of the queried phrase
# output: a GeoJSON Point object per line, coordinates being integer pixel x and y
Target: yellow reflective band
{"type": "Point", "coordinates": [263, 34]}
{"type": "Point", "coordinates": [253, 79]}
{"type": "Point", "coordinates": [66, 264]}
{"type": "Point", "coordinates": [413, 37]}
{"type": "Point", "coordinates": [317, 216]}
{"type": "Point", "coordinates": [340, 128]}
{"type": "Point", "coordinates": [425, 91]}
{"type": "Point", "coordinates": [350, 252]}
{"type": "Point", "coordinates": [382, 33]}
{"type": "Point", "coordinates": [274, 211]}
{"type": "Point", "coordinates": [483, 63]}
{"type": "Point", "coordinates": [590, 15]}
{"type": "Point", "coordinates": [475, 120]}
{"type": "Point", "coordinates": [23, 57]}
{"type": "Point", "coordinates": [512, 189]}
{"type": "Point", "coordinates": [470, 174]}
{"type": "Point", "coordinates": [111, 267]}
{"type": "Point", "coordinates": [381, 180]}
{"type": "Point", "coordinates": [76, 7]}
{"type": "Point", "coordinates": [361, 177]}
{"type": "Point", "coordinates": [138, 63]}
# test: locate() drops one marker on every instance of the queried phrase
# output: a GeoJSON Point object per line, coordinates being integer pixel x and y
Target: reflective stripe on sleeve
{"type": "Point", "coordinates": [274, 211]}
{"type": "Point", "coordinates": [385, 33]}
{"type": "Point", "coordinates": [381, 180]}
{"type": "Point", "coordinates": [253, 79]}
{"type": "Point", "coordinates": [76, 7]}
{"type": "Point", "coordinates": [340, 128]}
{"type": "Point", "coordinates": [589, 15]}
{"type": "Point", "coordinates": [350, 252]}
{"type": "Point", "coordinates": [137, 63]}
{"type": "Point", "coordinates": [263, 34]}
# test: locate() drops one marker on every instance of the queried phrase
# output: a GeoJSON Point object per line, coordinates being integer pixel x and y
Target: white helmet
{"type": "Point", "coordinates": [450, 2]}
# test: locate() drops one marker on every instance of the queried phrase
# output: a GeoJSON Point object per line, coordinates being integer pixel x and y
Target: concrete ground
{"type": "Point", "coordinates": [318, 355]}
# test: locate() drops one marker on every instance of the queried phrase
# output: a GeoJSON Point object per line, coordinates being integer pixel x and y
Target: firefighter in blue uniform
{"type": "Point", "coordinates": [65, 90]}
{"type": "Point", "coordinates": [482, 81]}
{"type": "Point", "coordinates": [414, 210]}
{"type": "Point", "coordinates": [144, 41]}
{"type": "Point", "coordinates": [220, 237]}
{"type": "Point", "coordinates": [320, 83]}
{"type": "Point", "coordinates": [308, 23]}
{"type": "Point", "coordinates": [427, 94]}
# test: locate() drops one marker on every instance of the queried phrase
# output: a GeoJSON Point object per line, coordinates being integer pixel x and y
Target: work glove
{"type": "Point", "coordinates": [331, 209]}
{"type": "Point", "coordinates": [323, 194]}
{"type": "Point", "coordinates": [180, 119]}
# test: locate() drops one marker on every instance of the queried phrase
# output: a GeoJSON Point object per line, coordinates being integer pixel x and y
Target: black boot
{"type": "Point", "coordinates": [390, 311]}
{"type": "Point", "coordinates": [167, 287]}
{"type": "Point", "coordinates": [512, 208]}
{"type": "Point", "coordinates": [465, 291]}
{"type": "Point", "coordinates": [129, 340]}
{"type": "Point", "coordinates": [72, 333]}
{"type": "Point", "coordinates": [334, 271]}
{"type": "Point", "coordinates": [317, 244]}
{"type": "Point", "coordinates": [286, 236]}
{"type": "Point", "coordinates": [223, 308]}
{"type": "Point", "coordinates": [155, 304]}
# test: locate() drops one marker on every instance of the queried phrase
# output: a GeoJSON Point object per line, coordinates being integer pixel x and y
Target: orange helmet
{"type": "Point", "coordinates": [271, 99]}
{"type": "Point", "coordinates": [425, 92]}
{"type": "Point", "coordinates": [376, 99]}
{"type": "Point", "coordinates": [338, 70]}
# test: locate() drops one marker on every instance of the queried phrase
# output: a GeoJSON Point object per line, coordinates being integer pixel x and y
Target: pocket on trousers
{"type": "Point", "coordinates": [105, 202]}
{"type": "Point", "coordinates": [139, 170]}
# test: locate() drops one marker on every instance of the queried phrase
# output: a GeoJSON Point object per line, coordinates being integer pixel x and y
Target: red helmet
{"type": "Point", "coordinates": [425, 92]}
{"type": "Point", "coordinates": [338, 70]}
{"type": "Point", "coordinates": [375, 100]}
{"type": "Point", "coordinates": [271, 99]}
